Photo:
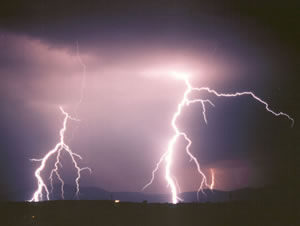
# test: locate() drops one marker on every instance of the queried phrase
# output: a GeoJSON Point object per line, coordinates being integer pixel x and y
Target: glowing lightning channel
{"type": "Point", "coordinates": [83, 78]}
{"type": "Point", "coordinates": [212, 179]}
{"type": "Point", "coordinates": [59, 147]}
{"type": "Point", "coordinates": [168, 155]}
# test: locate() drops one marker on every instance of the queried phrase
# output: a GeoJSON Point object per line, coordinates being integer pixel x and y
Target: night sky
{"type": "Point", "coordinates": [128, 46]}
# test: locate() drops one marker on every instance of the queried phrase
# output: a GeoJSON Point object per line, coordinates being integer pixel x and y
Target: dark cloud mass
{"type": "Point", "coordinates": [128, 47]}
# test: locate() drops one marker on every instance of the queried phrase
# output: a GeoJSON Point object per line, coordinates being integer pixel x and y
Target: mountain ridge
{"type": "Point", "coordinates": [96, 193]}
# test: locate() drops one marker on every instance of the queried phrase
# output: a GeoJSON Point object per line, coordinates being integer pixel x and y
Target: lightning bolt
{"type": "Point", "coordinates": [212, 179]}
{"type": "Point", "coordinates": [168, 155]}
{"type": "Point", "coordinates": [59, 147]}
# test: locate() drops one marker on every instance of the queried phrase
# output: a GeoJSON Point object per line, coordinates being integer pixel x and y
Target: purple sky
{"type": "Point", "coordinates": [129, 100]}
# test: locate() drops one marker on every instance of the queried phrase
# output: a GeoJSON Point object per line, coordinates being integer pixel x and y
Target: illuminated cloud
{"type": "Point", "coordinates": [129, 100]}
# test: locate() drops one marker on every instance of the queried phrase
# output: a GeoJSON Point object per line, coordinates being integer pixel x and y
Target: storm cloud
{"type": "Point", "coordinates": [128, 49]}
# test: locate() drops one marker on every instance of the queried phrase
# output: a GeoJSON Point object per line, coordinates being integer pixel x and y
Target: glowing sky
{"type": "Point", "coordinates": [129, 100]}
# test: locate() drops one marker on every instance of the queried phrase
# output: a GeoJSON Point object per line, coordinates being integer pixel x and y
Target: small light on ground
{"type": "Point", "coordinates": [117, 201]}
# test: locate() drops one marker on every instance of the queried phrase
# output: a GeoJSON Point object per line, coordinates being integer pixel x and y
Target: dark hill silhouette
{"type": "Point", "coordinates": [94, 193]}
{"type": "Point", "coordinates": [271, 206]}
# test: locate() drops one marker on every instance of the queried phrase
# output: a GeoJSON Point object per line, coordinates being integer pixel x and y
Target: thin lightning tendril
{"type": "Point", "coordinates": [168, 155]}
{"type": "Point", "coordinates": [83, 78]}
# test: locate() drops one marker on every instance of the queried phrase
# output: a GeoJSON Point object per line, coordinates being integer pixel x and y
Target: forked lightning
{"type": "Point", "coordinates": [59, 147]}
{"type": "Point", "coordinates": [168, 155]}
{"type": "Point", "coordinates": [56, 151]}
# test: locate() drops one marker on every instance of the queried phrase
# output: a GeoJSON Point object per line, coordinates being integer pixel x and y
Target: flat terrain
{"type": "Point", "coordinates": [85, 213]}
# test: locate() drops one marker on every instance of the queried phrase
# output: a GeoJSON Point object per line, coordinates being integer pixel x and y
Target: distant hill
{"type": "Point", "coordinates": [94, 193]}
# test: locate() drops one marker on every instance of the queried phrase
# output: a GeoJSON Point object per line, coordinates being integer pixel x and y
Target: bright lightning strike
{"type": "Point", "coordinates": [168, 155]}
{"type": "Point", "coordinates": [212, 179]}
{"type": "Point", "coordinates": [59, 147]}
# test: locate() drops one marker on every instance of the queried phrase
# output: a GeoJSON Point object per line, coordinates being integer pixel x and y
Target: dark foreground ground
{"type": "Point", "coordinates": [85, 213]}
